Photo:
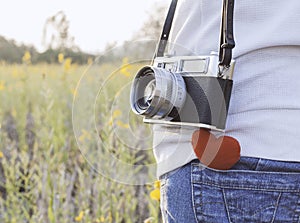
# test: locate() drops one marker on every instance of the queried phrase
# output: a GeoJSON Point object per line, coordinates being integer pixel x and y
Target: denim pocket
{"type": "Point", "coordinates": [245, 196]}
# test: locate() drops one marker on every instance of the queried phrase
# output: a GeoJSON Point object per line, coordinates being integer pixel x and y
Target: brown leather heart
{"type": "Point", "coordinates": [217, 153]}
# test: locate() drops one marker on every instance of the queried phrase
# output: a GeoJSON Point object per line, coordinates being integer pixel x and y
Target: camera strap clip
{"type": "Point", "coordinates": [227, 42]}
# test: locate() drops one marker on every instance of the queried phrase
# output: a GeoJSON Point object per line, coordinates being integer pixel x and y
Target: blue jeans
{"type": "Point", "coordinates": [254, 190]}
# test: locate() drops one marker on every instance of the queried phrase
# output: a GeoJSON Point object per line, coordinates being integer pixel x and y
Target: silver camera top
{"type": "Point", "coordinates": [195, 65]}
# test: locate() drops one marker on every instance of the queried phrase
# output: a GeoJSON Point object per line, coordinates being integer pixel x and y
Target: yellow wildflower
{"type": "Point", "coordinates": [68, 64]}
{"type": "Point", "coordinates": [26, 58]}
{"type": "Point", "coordinates": [155, 194]}
{"type": "Point", "coordinates": [74, 92]}
{"type": "Point", "coordinates": [109, 217]}
{"type": "Point", "coordinates": [60, 58]}
{"type": "Point", "coordinates": [124, 69]}
{"type": "Point", "coordinates": [100, 220]}
{"type": "Point", "coordinates": [14, 112]}
{"type": "Point", "coordinates": [90, 60]}
{"type": "Point", "coordinates": [2, 85]}
{"type": "Point", "coordinates": [80, 216]}
{"type": "Point", "coordinates": [116, 113]}
{"type": "Point", "coordinates": [122, 124]}
{"type": "Point", "coordinates": [157, 184]}
{"type": "Point", "coordinates": [1, 154]}
{"type": "Point", "coordinates": [85, 135]}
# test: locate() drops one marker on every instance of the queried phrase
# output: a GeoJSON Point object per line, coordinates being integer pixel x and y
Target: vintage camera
{"type": "Point", "coordinates": [187, 91]}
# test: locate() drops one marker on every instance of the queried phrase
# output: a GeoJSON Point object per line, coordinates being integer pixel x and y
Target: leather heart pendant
{"type": "Point", "coordinates": [217, 153]}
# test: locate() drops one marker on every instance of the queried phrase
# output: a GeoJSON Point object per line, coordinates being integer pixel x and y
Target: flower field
{"type": "Point", "coordinates": [71, 150]}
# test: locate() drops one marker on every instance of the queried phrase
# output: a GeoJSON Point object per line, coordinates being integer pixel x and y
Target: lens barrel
{"type": "Point", "coordinates": [155, 92]}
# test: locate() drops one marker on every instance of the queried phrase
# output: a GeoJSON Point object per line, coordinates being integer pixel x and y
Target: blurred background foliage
{"type": "Point", "coordinates": [57, 39]}
{"type": "Point", "coordinates": [43, 175]}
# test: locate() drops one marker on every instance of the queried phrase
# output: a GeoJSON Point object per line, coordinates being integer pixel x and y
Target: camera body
{"type": "Point", "coordinates": [187, 91]}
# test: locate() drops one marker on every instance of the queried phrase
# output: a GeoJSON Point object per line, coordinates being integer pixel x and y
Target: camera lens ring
{"type": "Point", "coordinates": [169, 92]}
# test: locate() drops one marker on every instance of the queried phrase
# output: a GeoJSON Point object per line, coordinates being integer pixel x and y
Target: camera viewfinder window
{"type": "Point", "coordinates": [195, 66]}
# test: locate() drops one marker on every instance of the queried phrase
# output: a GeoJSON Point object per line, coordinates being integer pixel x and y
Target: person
{"type": "Point", "coordinates": [263, 116]}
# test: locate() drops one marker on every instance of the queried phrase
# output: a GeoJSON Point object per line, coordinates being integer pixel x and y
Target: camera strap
{"type": "Point", "coordinates": [226, 38]}
{"type": "Point", "coordinates": [166, 30]}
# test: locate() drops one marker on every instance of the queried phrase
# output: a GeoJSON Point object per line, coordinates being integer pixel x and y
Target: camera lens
{"type": "Point", "coordinates": [156, 91]}
{"type": "Point", "coordinates": [149, 92]}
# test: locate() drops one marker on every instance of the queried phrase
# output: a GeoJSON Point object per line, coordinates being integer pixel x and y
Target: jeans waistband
{"type": "Point", "coordinates": [252, 173]}
{"type": "Point", "coordinates": [259, 164]}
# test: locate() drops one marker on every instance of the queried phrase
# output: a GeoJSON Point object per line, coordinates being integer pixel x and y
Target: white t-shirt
{"type": "Point", "coordinates": [264, 111]}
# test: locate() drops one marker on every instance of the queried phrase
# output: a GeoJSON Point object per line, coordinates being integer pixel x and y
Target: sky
{"type": "Point", "coordinates": [93, 23]}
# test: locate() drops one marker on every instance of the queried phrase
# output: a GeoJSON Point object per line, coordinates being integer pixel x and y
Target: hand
{"type": "Point", "coordinates": [217, 153]}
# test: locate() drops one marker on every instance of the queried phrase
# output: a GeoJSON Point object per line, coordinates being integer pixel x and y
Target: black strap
{"type": "Point", "coordinates": [226, 41]}
{"type": "Point", "coordinates": [227, 38]}
{"type": "Point", "coordinates": [166, 30]}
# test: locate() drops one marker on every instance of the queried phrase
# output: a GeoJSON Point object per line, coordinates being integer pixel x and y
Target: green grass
{"type": "Point", "coordinates": [50, 173]}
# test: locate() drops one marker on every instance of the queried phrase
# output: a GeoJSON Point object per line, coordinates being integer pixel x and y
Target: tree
{"type": "Point", "coordinates": [152, 27]}
{"type": "Point", "coordinates": [56, 33]}
{"type": "Point", "coordinates": [11, 52]}
{"type": "Point", "coordinates": [150, 31]}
